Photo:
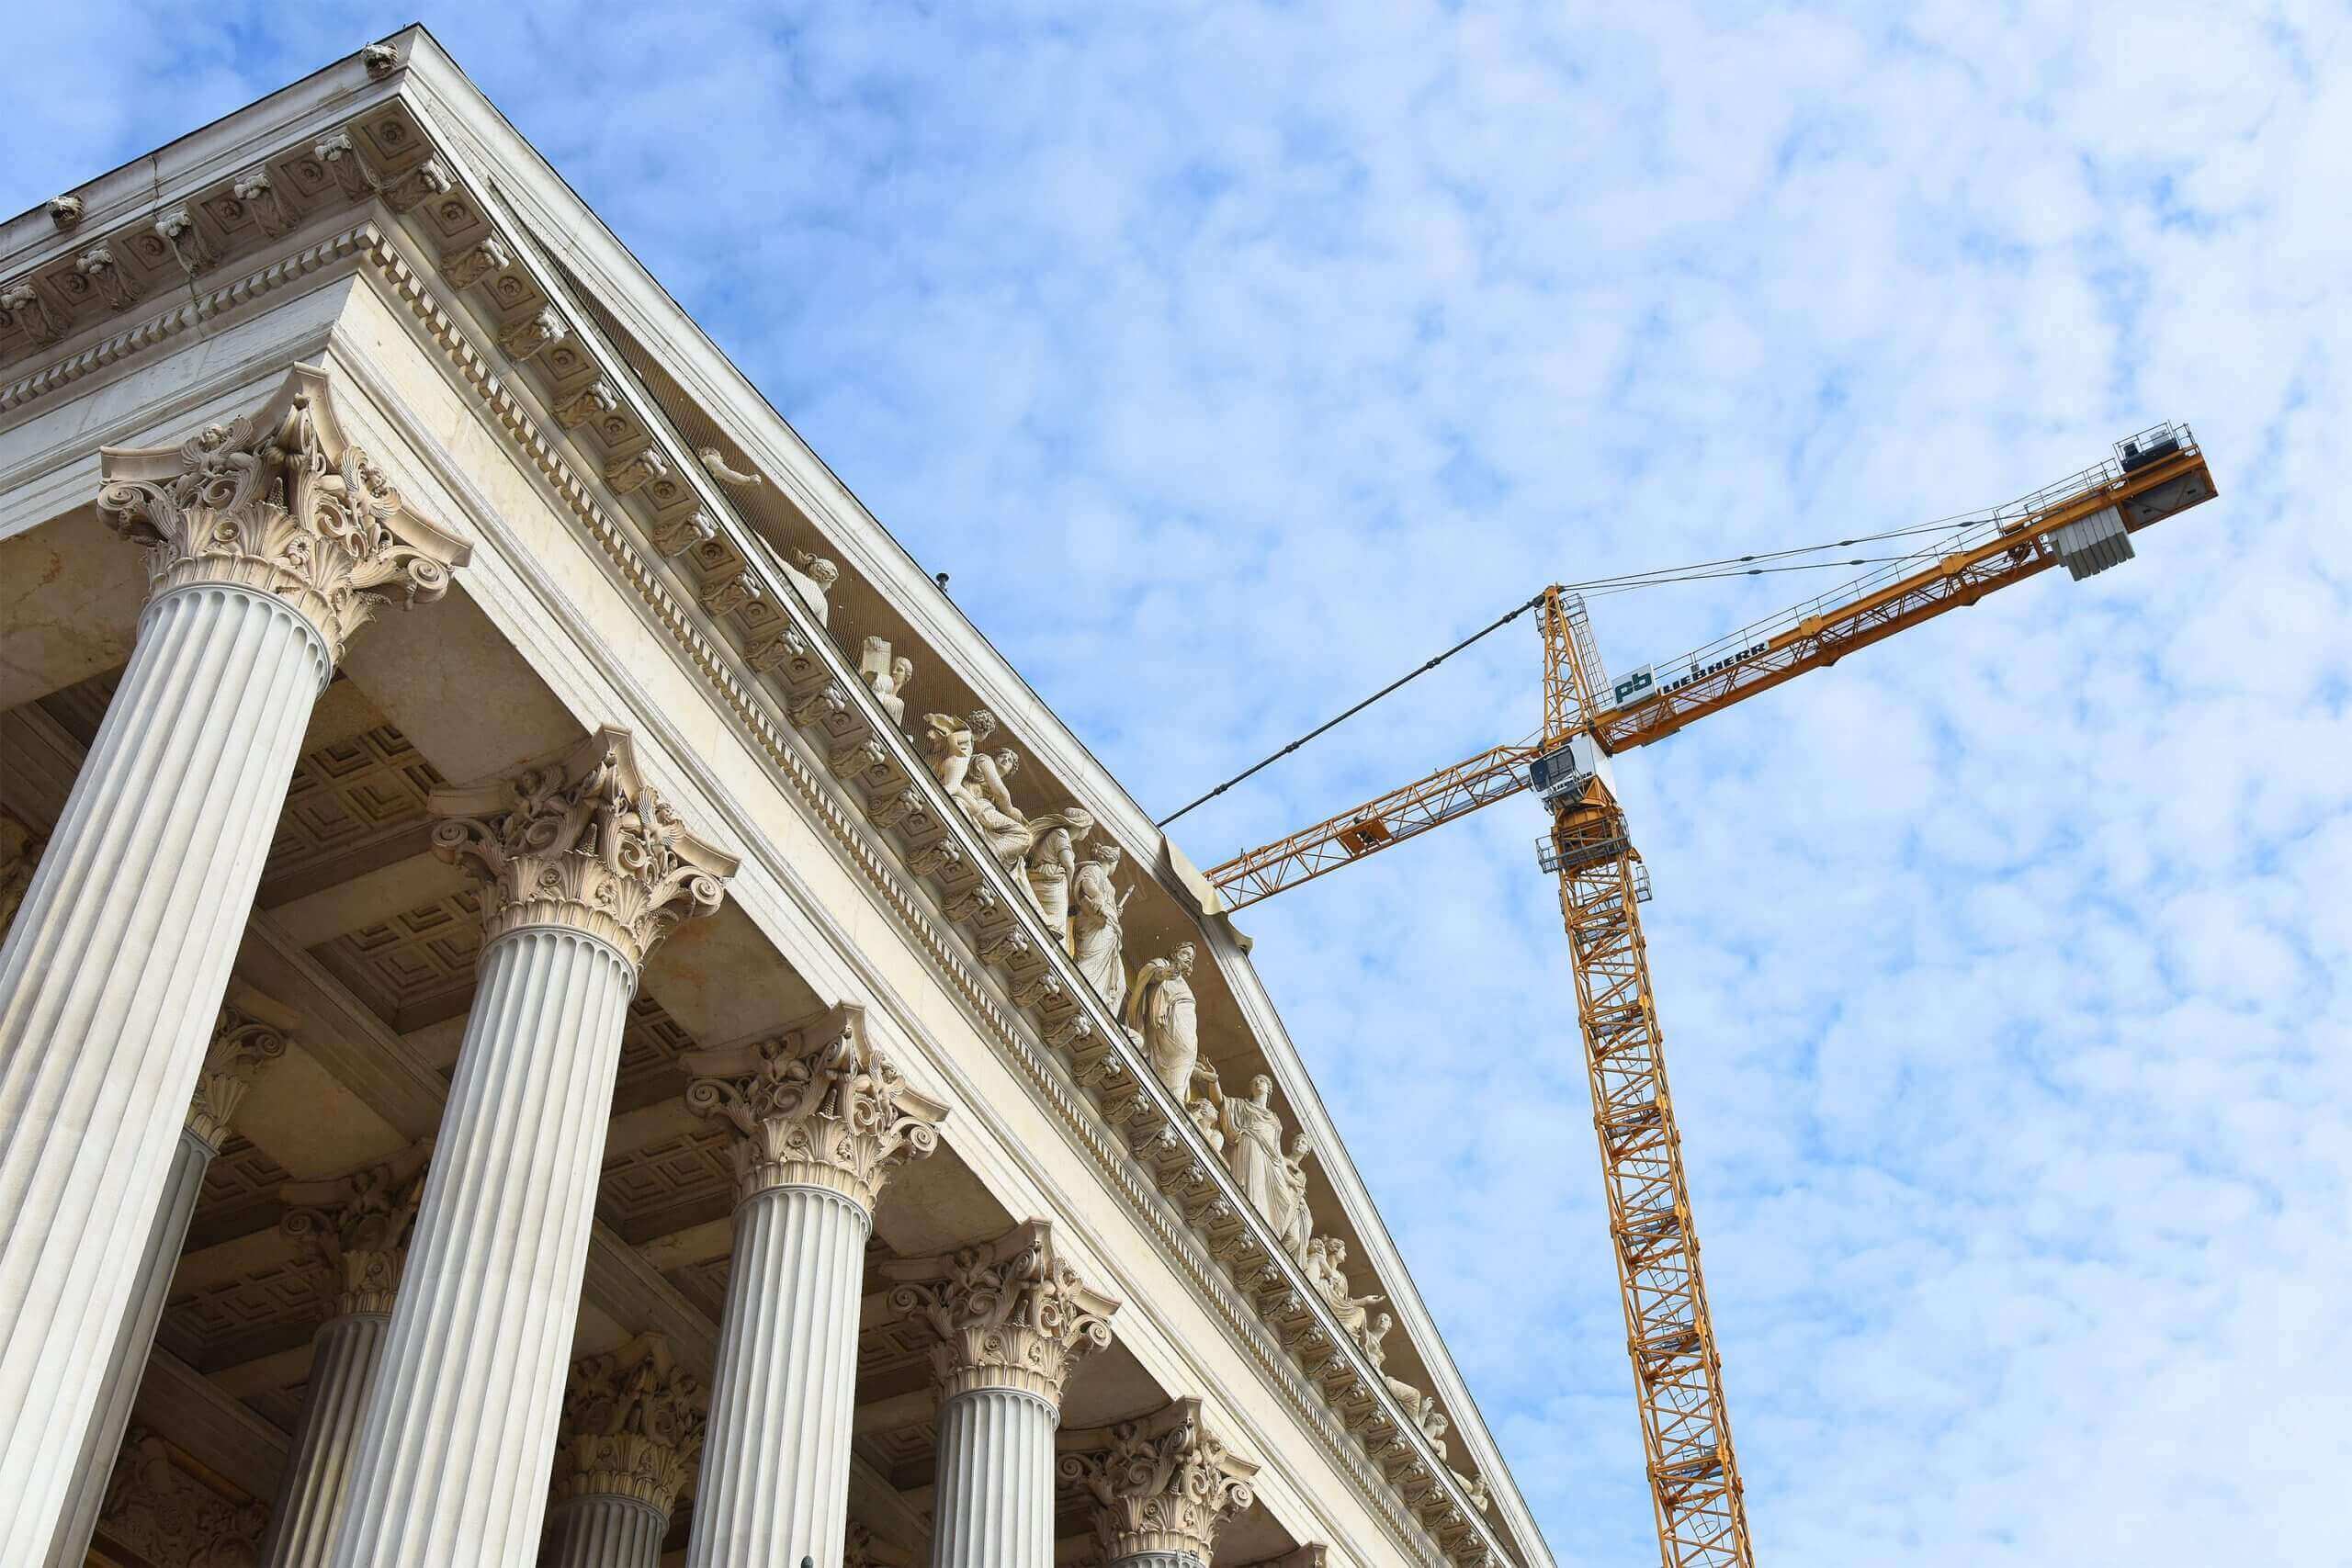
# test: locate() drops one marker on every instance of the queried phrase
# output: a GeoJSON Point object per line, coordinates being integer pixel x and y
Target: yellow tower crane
{"type": "Point", "coordinates": [2083, 523]}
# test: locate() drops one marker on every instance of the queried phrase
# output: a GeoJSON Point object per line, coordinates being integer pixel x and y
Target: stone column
{"type": "Point", "coordinates": [242, 1045]}
{"type": "Point", "coordinates": [632, 1428]}
{"type": "Point", "coordinates": [583, 869]}
{"type": "Point", "coordinates": [266, 540]}
{"type": "Point", "coordinates": [1162, 1487]}
{"type": "Point", "coordinates": [820, 1120]}
{"type": "Point", "coordinates": [1013, 1319]}
{"type": "Point", "coordinates": [359, 1225]}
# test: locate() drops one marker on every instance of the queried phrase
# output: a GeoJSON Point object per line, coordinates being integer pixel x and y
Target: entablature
{"type": "Point", "coordinates": [381, 167]}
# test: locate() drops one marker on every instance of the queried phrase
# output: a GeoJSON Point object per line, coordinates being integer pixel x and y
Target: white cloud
{"type": "Point", "coordinates": [1234, 357]}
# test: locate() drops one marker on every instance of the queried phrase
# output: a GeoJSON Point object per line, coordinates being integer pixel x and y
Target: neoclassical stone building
{"type": "Point", "coordinates": [559, 1004]}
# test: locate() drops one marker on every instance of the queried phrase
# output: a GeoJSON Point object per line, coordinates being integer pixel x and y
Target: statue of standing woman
{"type": "Point", "coordinates": [1160, 1008]}
{"type": "Point", "coordinates": [1053, 865]}
{"type": "Point", "coordinates": [1096, 910]}
{"type": "Point", "coordinates": [1299, 1226]}
{"type": "Point", "coordinates": [1253, 1151]}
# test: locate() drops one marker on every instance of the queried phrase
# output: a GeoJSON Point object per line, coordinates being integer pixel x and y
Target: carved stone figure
{"type": "Point", "coordinates": [1161, 1007]}
{"type": "Point", "coordinates": [1204, 1112]}
{"type": "Point", "coordinates": [977, 782]}
{"type": "Point", "coordinates": [1053, 862]}
{"type": "Point", "coordinates": [1096, 911]}
{"type": "Point", "coordinates": [886, 677]}
{"type": "Point", "coordinates": [1299, 1226]}
{"type": "Point", "coordinates": [815, 577]}
{"type": "Point", "coordinates": [1254, 1152]}
{"type": "Point", "coordinates": [1372, 1337]}
{"type": "Point", "coordinates": [716, 461]}
{"type": "Point", "coordinates": [1423, 1409]}
{"type": "Point", "coordinates": [1327, 1257]}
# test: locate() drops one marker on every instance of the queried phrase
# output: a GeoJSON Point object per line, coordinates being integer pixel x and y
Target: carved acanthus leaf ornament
{"type": "Point", "coordinates": [242, 1045]}
{"type": "Point", "coordinates": [816, 1106]}
{"type": "Point", "coordinates": [1161, 1485]}
{"type": "Point", "coordinates": [279, 503]}
{"type": "Point", "coordinates": [1010, 1313]}
{"type": "Point", "coordinates": [360, 1224]}
{"type": "Point", "coordinates": [633, 1426]}
{"type": "Point", "coordinates": [583, 843]}
{"type": "Point", "coordinates": [163, 1512]}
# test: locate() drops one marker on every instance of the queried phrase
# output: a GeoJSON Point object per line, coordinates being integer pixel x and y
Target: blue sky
{"type": "Point", "coordinates": [1234, 358]}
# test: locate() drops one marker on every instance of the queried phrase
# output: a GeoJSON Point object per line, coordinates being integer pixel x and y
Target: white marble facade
{"type": "Point", "coordinates": [556, 1006]}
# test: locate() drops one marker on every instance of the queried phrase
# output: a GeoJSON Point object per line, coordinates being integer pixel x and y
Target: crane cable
{"type": "Point", "coordinates": [1695, 571]}
{"type": "Point", "coordinates": [1496, 624]}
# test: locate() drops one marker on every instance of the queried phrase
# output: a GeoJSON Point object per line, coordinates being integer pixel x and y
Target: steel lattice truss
{"type": "Point", "coordinates": [1677, 1377]}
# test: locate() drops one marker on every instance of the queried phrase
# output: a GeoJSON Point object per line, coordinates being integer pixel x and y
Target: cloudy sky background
{"type": "Point", "coordinates": [1236, 358]}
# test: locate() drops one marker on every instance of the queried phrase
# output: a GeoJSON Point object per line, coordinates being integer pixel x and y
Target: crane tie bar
{"type": "Point", "coordinates": [1332, 724]}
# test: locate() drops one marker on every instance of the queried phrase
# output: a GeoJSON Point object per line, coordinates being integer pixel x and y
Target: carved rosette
{"type": "Point", "coordinates": [278, 502]}
{"type": "Point", "coordinates": [1010, 1313]}
{"type": "Point", "coordinates": [816, 1106]}
{"type": "Point", "coordinates": [582, 842]}
{"type": "Point", "coordinates": [1162, 1485]}
{"type": "Point", "coordinates": [242, 1045]}
{"type": "Point", "coordinates": [359, 1226]}
{"type": "Point", "coordinates": [633, 1426]}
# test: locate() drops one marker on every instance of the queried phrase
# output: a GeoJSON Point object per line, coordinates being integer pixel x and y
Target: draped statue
{"type": "Point", "coordinates": [976, 781]}
{"type": "Point", "coordinates": [1326, 1258]}
{"type": "Point", "coordinates": [1052, 863]}
{"type": "Point", "coordinates": [886, 676]}
{"type": "Point", "coordinates": [1299, 1226]}
{"type": "Point", "coordinates": [1254, 1152]}
{"type": "Point", "coordinates": [1160, 1009]}
{"type": "Point", "coordinates": [1096, 910]}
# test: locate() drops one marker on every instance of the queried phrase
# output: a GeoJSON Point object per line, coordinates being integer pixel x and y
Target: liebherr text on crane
{"type": "Point", "coordinates": [2083, 523]}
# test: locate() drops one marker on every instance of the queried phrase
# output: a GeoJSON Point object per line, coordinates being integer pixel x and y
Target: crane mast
{"type": "Point", "coordinates": [2084, 521]}
{"type": "Point", "coordinates": [1669, 1335]}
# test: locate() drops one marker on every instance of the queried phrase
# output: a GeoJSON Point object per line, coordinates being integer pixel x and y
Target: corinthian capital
{"type": "Point", "coordinates": [632, 1426]}
{"type": "Point", "coordinates": [816, 1106]}
{"type": "Point", "coordinates": [1162, 1485]}
{"type": "Point", "coordinates": [242, 1045]}
{"type": "Point", "coordinates": [281, 503]}
{"type": "Point", "coordinates": [583, 841]}
{"type": "Point", "coordinates": [1010, 1314]}
{"type": "Point", "coordinates": [359, 1226]}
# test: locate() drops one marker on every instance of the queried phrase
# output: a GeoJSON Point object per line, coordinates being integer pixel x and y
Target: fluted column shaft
{"type": "Point", "coordinates": [458, 1440]}
{"type": "Point", "coordinates": [109, 981]}
{"type": "Point", "coordinates": [128, 1364]}
{"type": "Point", "coordinates": [994, 1487]}
{"type": "Point", "coordinates": [344, 1358]}
{"type": "Point", "coordinates": [774, 1482]}
{"type": "Point", "coordinates": [604, 1532]}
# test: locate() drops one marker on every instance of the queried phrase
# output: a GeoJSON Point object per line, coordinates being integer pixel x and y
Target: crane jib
{"type": "Point", "coordinates": [2082, 523]}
